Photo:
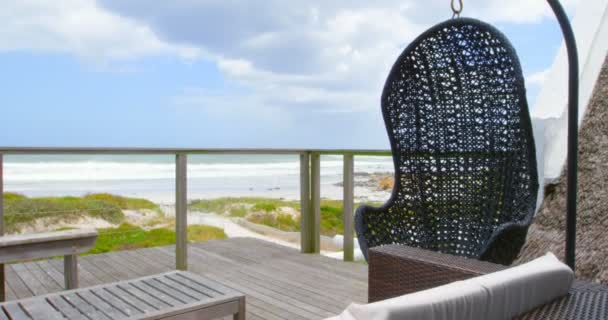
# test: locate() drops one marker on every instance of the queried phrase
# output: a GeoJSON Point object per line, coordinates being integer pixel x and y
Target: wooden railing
{"type": "Point", "coordinates": [310, 187]}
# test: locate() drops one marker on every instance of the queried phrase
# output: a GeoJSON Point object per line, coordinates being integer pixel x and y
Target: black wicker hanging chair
{"type": "Point", "coordinates": [455, 110]}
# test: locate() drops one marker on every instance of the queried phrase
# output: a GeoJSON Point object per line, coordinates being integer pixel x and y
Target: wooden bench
{"type": "Point", "coordinates": [176, 295]}
{"type": "Point", "coordinates": [68, 243]}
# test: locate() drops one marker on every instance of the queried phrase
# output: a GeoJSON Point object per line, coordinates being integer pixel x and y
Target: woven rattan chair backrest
{"type": "Point", "coordinates": [456, 114]}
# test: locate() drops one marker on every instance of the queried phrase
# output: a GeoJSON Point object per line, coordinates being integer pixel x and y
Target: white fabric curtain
{"type": "Point", "coordinates": [549, 114]}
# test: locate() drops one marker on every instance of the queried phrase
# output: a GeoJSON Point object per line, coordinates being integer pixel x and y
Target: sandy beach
{"type": "Point", "coordinates": [152, 177]}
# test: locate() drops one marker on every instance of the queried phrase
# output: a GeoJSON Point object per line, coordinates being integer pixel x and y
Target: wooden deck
{"type": "Point", "coordinates": [279, 282]}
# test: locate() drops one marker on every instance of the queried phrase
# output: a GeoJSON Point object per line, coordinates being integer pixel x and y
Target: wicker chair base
{"type": "Point", "coordinates": [396, 270]}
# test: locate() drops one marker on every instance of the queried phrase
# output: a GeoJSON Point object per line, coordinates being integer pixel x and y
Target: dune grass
{"type": "Point", "coordinates": [283, 222]}
{"type": "Point", "coordinates": [129, 237]}
{"type": "Point", "coordinates": [199, 232]}
{"type": "Point", "coordinates": [20, 211]}
{"type": "Point", "coordinates": [239, 207]}
{"type": "Point", "coordinates": [126, 203]}
{"type": "Point", "coordinates": [332, 222]}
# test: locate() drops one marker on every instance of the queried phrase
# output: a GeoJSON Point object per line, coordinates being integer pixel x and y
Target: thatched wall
{"type": "Point", "coordinates": [548, 231]}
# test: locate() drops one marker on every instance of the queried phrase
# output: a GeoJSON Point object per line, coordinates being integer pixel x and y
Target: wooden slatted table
{"type": "Point", "coordinates": [67, 243]}
{"type": "Point", "coordinates": [175, 295]}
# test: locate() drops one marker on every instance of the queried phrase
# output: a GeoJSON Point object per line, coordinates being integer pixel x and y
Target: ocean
{"type": "Point", "coordinates": [152, 176]}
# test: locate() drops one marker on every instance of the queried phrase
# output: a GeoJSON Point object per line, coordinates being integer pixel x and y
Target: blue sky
{"type": "Point", "coordinates": [224, 73]}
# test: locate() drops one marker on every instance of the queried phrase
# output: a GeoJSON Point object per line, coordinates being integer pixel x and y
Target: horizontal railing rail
{"type": "Point", "coordinates": [310, 176]}
{"type": "Point", "coordinates": [252, 151]}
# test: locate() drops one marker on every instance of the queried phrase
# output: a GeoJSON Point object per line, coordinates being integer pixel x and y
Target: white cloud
{"type": "Point", "coordinates": [315, 54]}
{"type": "Point", "coordinates": [233, 107]}
{"type": "Point", "coordinates": [537, 78]}
{"type": "Point", "coordinates": [520, 11]}
{"type": "Point", "coordinates": [81, 28]}
{"type": "Point", "coordinates": [321, 55]}
{"type": "Point", "coordinates": [511, 11]}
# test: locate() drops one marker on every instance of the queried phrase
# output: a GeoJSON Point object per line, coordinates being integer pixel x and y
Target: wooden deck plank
{"type": "Point", "coordinates": [132, 261]}
{"type": "Point", "coordinates": [15, 282]}
{"type": "Point", "coordinates": [291, 299]}
{"type": "Point", "coordinates": [316, 276]}
{"type": "Point", "coordinates": [292, 280]}
{"type": "Point", "coordinates": [115, 302]}
{"type": "Point", "coordinates": [261, 301]}
{"type": "Point", "coordinates": [10, 292]}
{"type": "Point", "coordinates": [267, 299]}
{"type": "Point", "coordinates": [336, 286]}
{"type": "Point", "coordinates": [41, 310]}
{"type": "Point", "coordinates": [66, 309]}
{"type": "Point", "coordinates": [191, 289]}
{"type": "Point", "coordinates": [206, 287]}
{"type": "Point", "coordinates": [46, 280]}
{"type": "Point", "coordinates": [102, 305]}
{"type": "Point", "coordinates": [84, 307]}
{"type": "Point", "coordinates": [272, 303]}
{"type": "Point", "coordinates": [170, 291]}
{"type": "Point", "coordinates": [311, 274]}
{"type": "Point", "coordinates": [306, 275]}
{"type": "Point", "coordinates": [166, 298]}
{"type": "Point", "coordinates": [145, 297]}
{"type": "Point", "coordinates": [339, 268]}
{"type": "Point", "coordinates": [322, 302]}
{"type": "Point", "coordinates": [280, 282]}
{"type": "Point", "coordinates": [255, 312]}
{"type": "Point", "coordinates": [16, 312]}
{"type": "Point", "coordinates": [274, 287]}
{"type": "Point", "coordinates": [127, 269]}
{"type": "Point", "coordinates": [131, 300]}
{"type": "Point", "coordinates": [306, 293]}
{"type": "Point", "coordinates": [266, 309]}
{"type": "Point", "coordinates": [100, 260]}
{"type": "Point", "coordinates": [87, 278]}
{"type": "Point", "coordinates": [46, 267]}
{"type": "Point", "coordinates": [238, 253]}
{"type": "Point", "coordinates": [98, 274]}
{"type": "Point", "coordinates": [255, 298]}
{"type": "Point", "coordinates": [3, 316]}
{"type": "Point", "coordinates": [33, 284]}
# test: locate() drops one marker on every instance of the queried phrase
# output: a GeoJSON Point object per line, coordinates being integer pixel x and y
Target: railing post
{"type": "Point", "coordinates": [2, 274]}
{"type": "Point", "coordinates": [305, 221]}
{"type": "Point", "coordinates": [181, 212]}
{"type": "Point", "coordinates": [310, 202]}
{"type": "Point", "coordinates": [70, 271]}
{"type": "Point", "coordinates": [348, 205]}
{"type": "Point", "coordinates": [315, 201]}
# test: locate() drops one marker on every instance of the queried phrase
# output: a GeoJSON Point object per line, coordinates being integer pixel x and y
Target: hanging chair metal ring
{"type": "Point", "coordinates": [456, 11]}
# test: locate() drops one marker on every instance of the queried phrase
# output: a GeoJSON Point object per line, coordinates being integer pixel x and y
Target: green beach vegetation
{"type": "Point", "coordinates": [21, 211]}
{"type": "Point", "coordinates": [239, 207]}
{"type": "Point", "coordinates": [277, 213]}
{"type": "Point", "coordinates": [120, 229]}
{"type": "Point", "coordinates": [129, 237]}
{"type": "Point", "coordinates": [54, 213]}
{"type": "Point", "coordinates": [126, 203]}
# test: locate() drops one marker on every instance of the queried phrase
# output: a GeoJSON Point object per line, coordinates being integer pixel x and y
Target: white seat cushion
{"type": "Point", "coordinates": [522, 288]}
{"type": "Point", "coordinates": [500, 295]}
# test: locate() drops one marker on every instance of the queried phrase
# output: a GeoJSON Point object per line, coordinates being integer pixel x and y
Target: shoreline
{"type": "Point", "coordinates": [162, 192]}
{"type": "Point", "coordinates": [209, 176]}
